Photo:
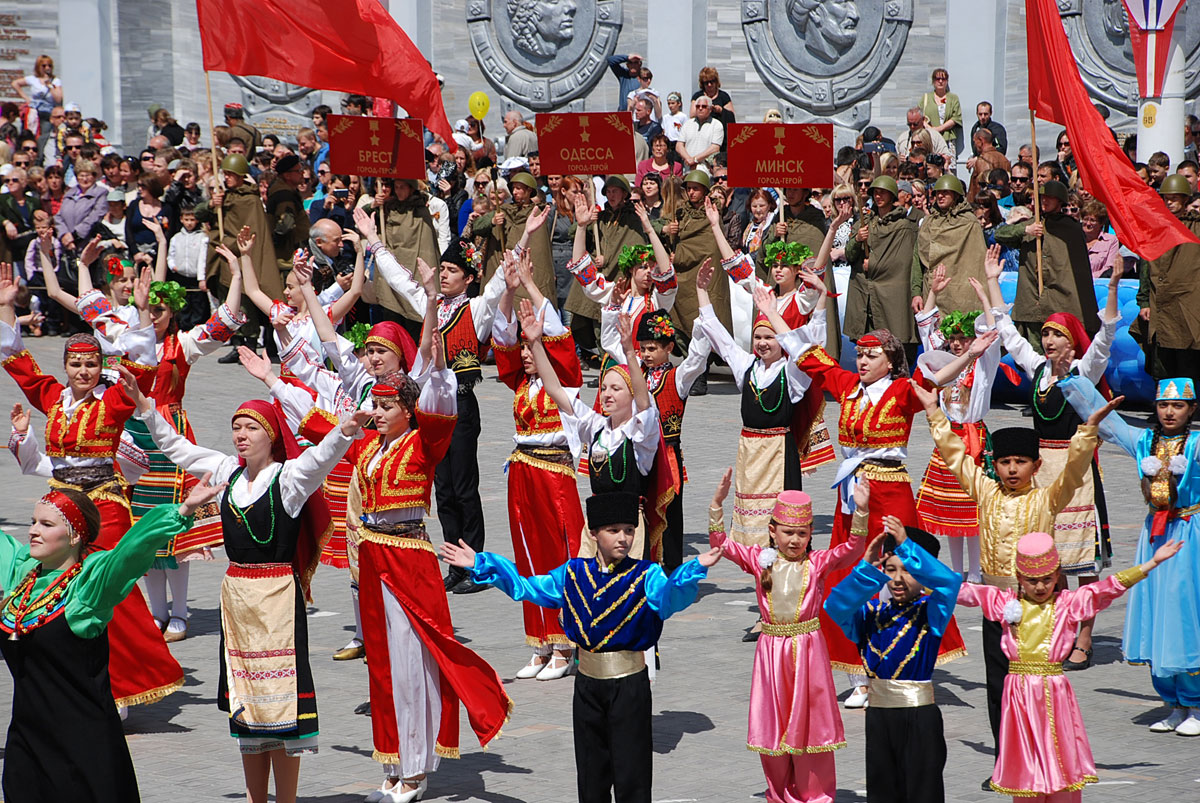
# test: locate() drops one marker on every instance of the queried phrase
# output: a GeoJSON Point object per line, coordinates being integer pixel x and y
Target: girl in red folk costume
{"type": "Point", "coordinates": [796, 296]}
{"type": "Point", "coordinates": [466, 326]}
{"type": "Point", "coordinates": [544, 515]}
{"type": "Point", "coordinates": [83, 434]}
{"type": "Point", "coordinates": [163, 482]}
{"type": "Point", "coordinates": [273, 521]}
{"type": "Point", "coordinates": [418, 671]}
{"type": "Point", "coordinates": [877, 409]}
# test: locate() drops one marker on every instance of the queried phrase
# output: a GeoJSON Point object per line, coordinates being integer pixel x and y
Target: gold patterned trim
{"type": "Point", "coordinates": [853, 669]}
{"type": "Point", "coordinates": [446, 752]}
{"type": "Point", "coordinates": [19, 355]}
{"type": "Point", "coordinates": [387, 758]}
{"type": "Point", "coordinates": [1131, 576]}
{"type": "Point", "coordinates": [791, 629]}
{"type": "Point", "coordinates": [519, 456]}
{"type": "Point", "coordinates": [559, 640]}
{"type": "Point", "coordinates": [1035, 668]}
{"type": "Point", "coordinates": [888, 693]}
{"type": "Point", "coordinates": [1075, 787]}
{"type": "Point", "coordinates": [884, 473]}
{"type": "Point", "coordinates": [787, 749]}
{"type": "Point", "coordinates": [400, 541]}
{"type": "Point", "coordinates": [254, 415]}
{"type": "Point", "coordinates": [951, 655]}
{"type": "Point", "coordinates": [151, 696]}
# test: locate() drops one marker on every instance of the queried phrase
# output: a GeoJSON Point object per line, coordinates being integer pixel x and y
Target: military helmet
{"type": "Point", "coordinates": [523, 178]}
{"type": "Point", "coordinates": [1056, 189]}
{"type": "Point", "coordinates": [886, 183]}
{"type": "Point", "coordinates": [617, 180]}
{"type": "Point", "coordinates": [236, 163]}
{"type": "Point", "coordinates": [1175, 184]}
{"type": "Point", "coordinates": [698, 177]}
{"type": "Point", "coordinates": [949, 182]}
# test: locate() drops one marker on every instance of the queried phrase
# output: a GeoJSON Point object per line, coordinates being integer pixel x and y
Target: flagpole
{"type": "Point", "coordinates": [1037, 206]}
{"type": "Point", "coordinates": [212, 130]}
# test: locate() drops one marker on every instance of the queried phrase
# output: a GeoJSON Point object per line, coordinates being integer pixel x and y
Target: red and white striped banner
{"type": "Point", "coordinates": [1151, 26]}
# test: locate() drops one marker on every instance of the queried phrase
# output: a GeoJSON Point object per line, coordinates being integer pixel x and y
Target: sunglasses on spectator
{"type": "Point", "coordinates": [22, 163]}
{"type": "Point", "coordinates": [29, 148]}
{"type": "Point", "coordinates": [864, 184]}
{"type": "Point", "coordinates": [915, 125]}
{"type": "Point", "coordinates": [147, 158]}
{"type": "Point", "coordinates": [991, 186]}
{"type": "Point", "coordinates": [1072, 210]}
{"type": "Point", "coordinates": [709, 81]}
{"type": "Point", "coordinates": [74, 147]}
{"type": "Point", "coordinates": [721, 179]}
{"type": "Point", "coordinates": [843, 200]}
{"type": "Point", "coordinates": [12, 181]}
{"type": "Point", "coordinates": [941, 78]}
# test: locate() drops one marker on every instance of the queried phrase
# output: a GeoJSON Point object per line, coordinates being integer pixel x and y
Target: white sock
{"type": "Point", "coordinates": [178, 579]}
{"type": "Point", "coordinates": [973, 553]}
{"type": "Point", "coordinates": [156, 593]}
{"type": "Point", "coordinates": [856, 680]}
{"type": "Point", "coordinates": [956, 553]}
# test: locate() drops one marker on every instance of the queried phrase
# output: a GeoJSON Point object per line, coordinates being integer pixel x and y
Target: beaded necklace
{"type": "Point", "coordinates": [21, 605]}
{"type": "Point", "coordinates": [758, 392]}
{"type": "Point", "coordinates": [241, 514]}
{"type": "Point", "coordinates": [1039, 397]}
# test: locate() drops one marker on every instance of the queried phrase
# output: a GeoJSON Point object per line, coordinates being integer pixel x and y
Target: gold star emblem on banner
{"type": "Point", "coordinates": [374, 140]}
{"type": "Point", "coordinates": [373, 125]}
{"type": "Point", "coordinates": [780, 132]}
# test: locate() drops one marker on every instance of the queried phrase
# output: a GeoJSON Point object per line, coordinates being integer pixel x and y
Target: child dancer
{"type": "Point", "coordinates": [1009, 506]}
{"type": "Point", "coordinates": [1081, 529]}
{"type": "Point", "coordinates": [617, 605]}
{"type": "Point", "coordinates": [1044, 754]}
{"type": "Point", "coordinates": [1162, 618]}
{"type": "Point", "coordinates": [794, 721]}
{"type": "Point", "coordinates": [898, 638]}
{"type": "Point", "coordinates": [942, 507]}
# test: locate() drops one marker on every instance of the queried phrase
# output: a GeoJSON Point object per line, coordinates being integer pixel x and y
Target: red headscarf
{"type": "Point", "coordinates": [1072, 327]}
{"type": "Point", "coordinates": [391, 335]}
{"type": "Point", "coordinates": [316, 523]}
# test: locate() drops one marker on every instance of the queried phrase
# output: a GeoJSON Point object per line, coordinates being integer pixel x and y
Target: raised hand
{"type": "Point", "coordinates": [723, 486]}
{"type": "Point", "coordinates": [365, 223]}
{"type": "Point", "coordinates": [843, 214]}
{"type": "Point", "coordinates": [154, 227]}
{"type": "Point", "coordinates": [20, 419]}
{"type": "Point", "coordinates": [202, 493]}
{"type": "Point", "coordinates": [862, 494]}
{"type": "Point", "coordinates": [621, 290]}
{"type": "Point", "coordinates": [1166, 552]}
{"type": "Point", "coordinates": [258, 366]}
{"type": "Point", "coordinates": [711, 212]}
{"type": "Point", "coordinates": [980, 292]}
{"type": "Point", "coordinates": [8, 285]}
{"type": "Point", "coordinates": [939, 281]}
{"type": "Point", "coordinates": [764, 299]}
{"type": "Point", "coordinates": [625, 330]}
{"type": "Point", "coordinates": [992, 266]}
{"type": "Point", "coordinates": [531, 324]}
{"type": "Point", "coordinates": [245, 240]}
{"type": "Point", "coordinates": [709, 559]}
{"type": "Point", "coordinates": [585, 213]}
{"type": "Point", "coordinates": [640, 209]}
{"type": "Point", "coordinates": [354, 422]}
{"type": "Point", "coordinates": [704, 274]}
{"type": "Point", "coordinates": [1097, 416]}
{"type": "Point", "coordinates": [980, 344]}
{"type": "Point", "coordinates": [512, 273]}
{"type": "Point", "coordinates": [227, 255]}
{"type": "Point", "coordinates": [459, 554]}
{"type": "Point", "coordinates": [928, 398]}
{"type": "Point", "coordinates": [91, 251]}
{"type": "Point", "coordinates": [130, 386]}
{"type": "Point", "coordinates": [303, 271]}
{"type": "Point", "coordinates": [537, 217]}
{"type": "Point", "coordinates": [895, 528]}
{"type": "Point", "coordinates": [141, 288]}
{"type": "Point", "coordinates": [428, 278]}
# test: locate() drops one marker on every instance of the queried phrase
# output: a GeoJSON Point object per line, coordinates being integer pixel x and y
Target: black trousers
{"type": "Point", "coordinates": [995, 664]}
{"type": "Point", "coordinates": [456, 480]}
{"type": "Point", "coordinates": [195, 310]}
{"type": "Point", "coordinates": [614, 750]}
{"type": "Point", "coordinates": [906, 755]}
{"type": "Point", "coordinates": [672, 537]}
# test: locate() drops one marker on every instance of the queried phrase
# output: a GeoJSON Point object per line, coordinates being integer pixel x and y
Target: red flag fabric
{"type": "Point", "coordinates": [1057, 94]}
{"type": "Point", "coordinates": [343, 45]}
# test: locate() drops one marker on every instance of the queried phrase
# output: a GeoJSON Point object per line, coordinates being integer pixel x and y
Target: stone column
{"type": "Point", "coordinates": [975, 45]}
{"type": "Point", "coordinates": [87, 60]}
{"type": "Point", "coordinates": [678, 45]}
{"type": "Point", "coordinates": [1160, 120]}
{"type": "Point", "coordinates": [416, 18]}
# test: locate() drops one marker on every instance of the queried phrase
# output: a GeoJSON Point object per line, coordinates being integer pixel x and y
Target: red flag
{"type": "Point", "coordinates": [1057, 94]}
{"type": "Point", "coordinates": [343, 45]}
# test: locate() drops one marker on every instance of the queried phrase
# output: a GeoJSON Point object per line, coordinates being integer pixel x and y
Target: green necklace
{"type": "Point", "coordinates": [609, 461]}
{"type": "Point", "coordinates": [758, 393]}
{"type": "Point", "coordinates": [241, 514]}
{"type": "Point", "coordinates": [1037, 394]}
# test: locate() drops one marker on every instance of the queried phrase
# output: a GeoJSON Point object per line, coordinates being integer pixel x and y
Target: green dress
{"type": "Point", "coordinates": [65, 741]}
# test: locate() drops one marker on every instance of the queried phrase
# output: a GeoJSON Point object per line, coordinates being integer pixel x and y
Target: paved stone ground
{"type": "Point", "coordinates": [183, 752]}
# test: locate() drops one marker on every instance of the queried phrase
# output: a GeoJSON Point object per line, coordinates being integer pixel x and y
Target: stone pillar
{"type": "Point", "coordinates": [416, 18]}
{"type": "Point", "coordinates": [975, 45]}
{"type": "Point", "coordinates": [678, 45]}
{"type": "Point", "coordinates": [1160, 120]}
{"type": "Point", "coordinates": [87, 60]}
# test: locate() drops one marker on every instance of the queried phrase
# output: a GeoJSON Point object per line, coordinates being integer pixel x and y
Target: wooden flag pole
{"type": "Point", "coordinates": [1037, 205]}
{"type": "Point", "coordinates": [212, 130]}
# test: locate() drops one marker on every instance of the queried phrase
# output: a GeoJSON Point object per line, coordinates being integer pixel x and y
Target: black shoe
{"type": "Point", "coordinates": [594, 383]}
{"type": "Point", "coordinates": [986, 786]}
{"type": "Point", "coordinates": [1075, 666]}
{"type": "Point", "coordinates": [363, 708]}
{"type": "Point", "coordinates": [700, 386]}
{"type": "Point", "coordinates": [230, 359]}
{"type": "Point", "coordinates": [469, 586]}
{"type": "Point", "coordinates": [453, 578]}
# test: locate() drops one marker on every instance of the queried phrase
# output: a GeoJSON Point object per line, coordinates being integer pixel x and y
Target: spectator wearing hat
{"type": "Point", "coordinates": [689, 236]}
{"type": "Point", "coordinates": [702, 136]}
{"type": "Point", "coordinates": [627, 69]}
{"type": "Point", "coordinates": [521, 139]}
{"type": "Point", "coordinates": [235, 118]}
{"type": "Point", "coordinates": [111, 228]}
{"type": "Point", "coordinates": [673, 122]}
{"type": "Point", "coordinates": [1066, 284]}
{"type": "Point", "coordinates": [285, 210]}
{"type": "Point", "coordinates": [507, 224]}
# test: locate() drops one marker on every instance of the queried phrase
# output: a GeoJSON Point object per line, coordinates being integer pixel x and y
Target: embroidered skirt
{"type": "Point", "coordinates": [336, 488]}
{"type": "Point", "coordinates": [767, 463]}
{"type": "Point", "coordinates": [1081, 529]}
{"type": "Point", "coordinates": [266, 684]}
{"type": "Point", "coordinates": [943, 508]}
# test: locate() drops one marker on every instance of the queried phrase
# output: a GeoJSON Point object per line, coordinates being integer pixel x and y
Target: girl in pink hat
{"type": "Point", "coordinates": [1044, 753]}
{"type": "Point", "coordinates": [794, 721]}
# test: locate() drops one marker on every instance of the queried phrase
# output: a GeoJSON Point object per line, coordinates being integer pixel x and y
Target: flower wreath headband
{"type": "Point", "coordinates": [780, 253]}
{"type": "Point", "coordinates": [170, 294]}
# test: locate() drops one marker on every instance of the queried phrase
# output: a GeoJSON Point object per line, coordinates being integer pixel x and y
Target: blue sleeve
{"type": "Point", "coordinates": [845, 602]}
{"type": "Point", "coordinates": [545, 590]}
{"type": "Point", "coordinates": [1084, 397]}
{"type": "Point", "coordinates": [940, 579]}
{"type": "Point", "coordinates": [464, 212]}
{"type": "Point", "coordinates": [615, 63]}
{"type": "Point", "coordinates": [670, 595]}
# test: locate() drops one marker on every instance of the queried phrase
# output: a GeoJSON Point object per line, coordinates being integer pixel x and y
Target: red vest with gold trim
{"type": "Point", "coordinates": [462, 345]}
{"type": "Point", "coordinates": [165, 390]}
{"type": "Point", "coordinates": [404, 476]}
{"type": "Point", "coordinates": [536, 416]}
{"type": "Point", "coordinates": [667, 399]}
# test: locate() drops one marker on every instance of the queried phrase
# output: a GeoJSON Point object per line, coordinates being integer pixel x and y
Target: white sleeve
{"type": "Point", "coordinates": [739, 361]}
{"type": "Point", "coordinates": [579, 425]}
{"type": "Point", "coordinates": [645, 434]}
{"type": "Point", "coordinates": [131, 459]}
{"type": "Point", "coordinates": [610, 338]}
{"type": "Point", "coordinates": [398, 277]}
{"type": "Point", "coordinates": [439, 392]}
{"type": "Point", "coordinates": [295, 401]}
{"type": "Point", "coordinates": [301, 477]}
{"type": "Point", "coordinates": [1018, 347]}
{"type": "Point", "coordinates": [173, 255]}
{"type": "Point", "coordinates": [931, 338]}
{"type": "Point", "coordinates": [985, 376]}
{"type": "Point", "coordinates": [199, 266]}
{"type": "Point", "coordinates": [195, 460]}
{"type": "Point", "coordinates": [1095, 359]}
{"type": "Point", "coordinates": [793, 343]}
{"type": "Point", "coordinates": [694, 364]}
{"type": "Point", "coordinates": [483, 306]}
{"type": "Point", "coordinates": [204, 339]}
{"type": "Point", "coordinates": [330, 294]}
{"type": "Point", "coordinates": [504, 330]}
{"type": "Point", "coordinates": [140, 345]}
{"type": "Point", "coordinates": [355, 378]}
{"type": "Point", "coordinates": [10, 341]}
{"type": "Point", "coordinates": [30, 457]}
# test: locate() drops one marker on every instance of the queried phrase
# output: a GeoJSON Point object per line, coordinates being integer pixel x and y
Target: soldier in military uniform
{"type": "Point", "coordinates": [801, 222]}
{"type": "Point", "coordinates": [619, 226]}
{"type": "Point", "coordinates": [880, 256]}
{"type": "Point", "coordinates": [1168, 326]}
{"type": "Point", "coordinates": [950, 235]}
{"type": "Point", "coordinates": [1066, 272]}
{"type": "Point", "coordinates": [235, 118]}
{"type": "Point", "coordinates": [507, 224]}
{"type": "Point", "coordinates": [241, 205]}
{"type": "Point", "coordinates": [285, 210]}
{"type": "Point", "coordinates": [408, 233]}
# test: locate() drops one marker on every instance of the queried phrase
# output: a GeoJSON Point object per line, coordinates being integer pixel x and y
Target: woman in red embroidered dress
{"type": "Point", "coordinates": [544, 516]}
{"type": "Point", "coordinates": [83, 433]}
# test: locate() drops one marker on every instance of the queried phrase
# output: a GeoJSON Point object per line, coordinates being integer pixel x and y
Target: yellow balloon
{"type": "Point", "coordinates": [479, 104]}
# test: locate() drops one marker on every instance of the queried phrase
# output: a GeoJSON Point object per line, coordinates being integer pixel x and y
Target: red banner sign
{"type": "Point", "coordinates": [587, 143]}
{"type": "Point", "coordinates": [774, 155]}
{"type": "Point", "coordinates": [376, 146]}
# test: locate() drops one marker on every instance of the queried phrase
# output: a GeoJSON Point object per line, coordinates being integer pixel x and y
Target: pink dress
{"type": "Point", "coordinates": [1043, 746]}
{"type": "Point", "coordinates": [793, 703]}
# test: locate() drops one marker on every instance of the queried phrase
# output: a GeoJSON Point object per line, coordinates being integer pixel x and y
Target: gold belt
{"type": "Point", "coordinates": [885, 693]}
{"type": "Point", "coordinates": [791, 629]}
{"type": "Point", "coordinates": [1035, 668]}
{"type": "Point", "coordinates": [1000, 581]}
{"type": "Point", "coordinates": [610, 665]}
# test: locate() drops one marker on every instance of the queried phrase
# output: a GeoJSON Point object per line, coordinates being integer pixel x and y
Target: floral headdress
{"type": "Point", "coordinates": [959, 323]}
{"type": "Point", "coordinates": [170, 294]}
{"type": "Point", "coordinates": [473, 256]}
{"type": "Point", "coordinates": [780, 253]}
{"type": "Point", "coordinates": [115, 265]}
{"type": "Point", "coordinates": [633, 257]}
{"type": "Point", "coordinates": [357, 334]}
